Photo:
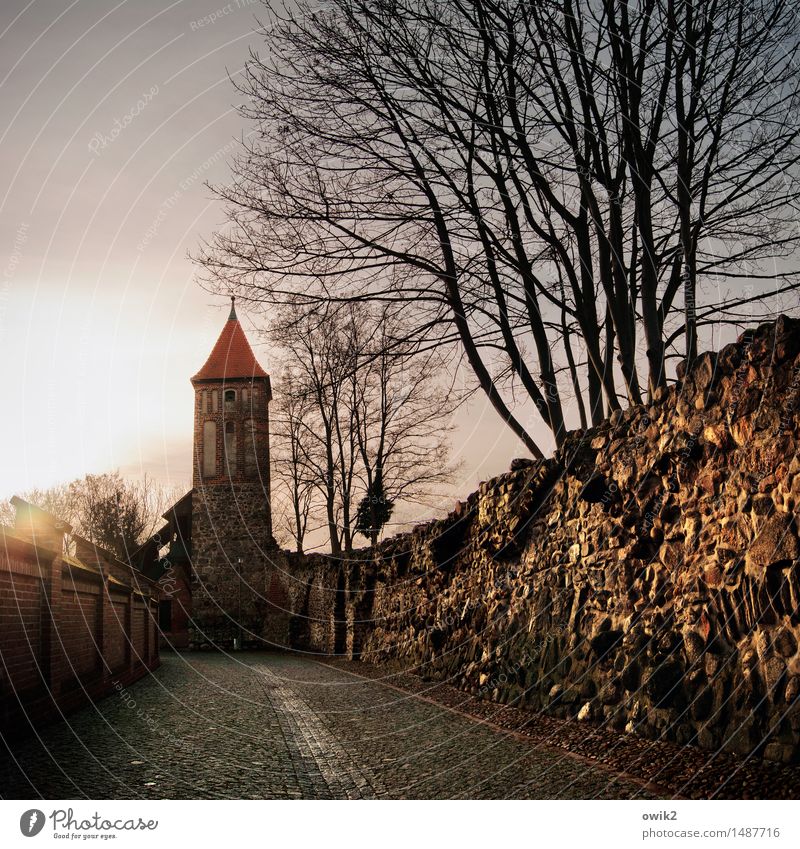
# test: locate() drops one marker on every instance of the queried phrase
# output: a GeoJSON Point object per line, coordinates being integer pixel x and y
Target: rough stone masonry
{"type": "Point", "coordinates": [647, 576]}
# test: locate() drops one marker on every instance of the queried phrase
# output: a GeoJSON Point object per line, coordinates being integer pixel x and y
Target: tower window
{"type": "Point", "coordinates": [250, 467]}
{"type": "Point", "coordinates": [230, 445]}
{"type": "Point", "coordinates": [204, 400]}
{"type": "Point", "coordinates": [214, 401]}
{"type": "Point", "coordinates": [230, 400]}
{"type": "Point", "coordinates": [245, 399]}
{"type": "Point", "coordinates": [209, 449]}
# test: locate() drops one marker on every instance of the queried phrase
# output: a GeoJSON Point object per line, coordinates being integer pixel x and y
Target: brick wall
{"type": "Point", "coordinates": [76, 610]}
{"type": "Point", "coordinates": [69, 629]}
{"type": "Point", "coordinates": [254, 410]}
{"type": "Point", "coordinates": [20, 619]}
{"type": "Point", "coordinates": [115, 626]}
{"type": "Point", "coordinates": [138, 630]}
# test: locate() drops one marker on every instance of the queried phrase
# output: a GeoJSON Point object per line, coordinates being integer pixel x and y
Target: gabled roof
{"type": "Point", "coordinates": [182, 505]}
{"type": "Point", "coordinates": [232, 356]}
{"type": "Point", "coordinates": [35, 513]}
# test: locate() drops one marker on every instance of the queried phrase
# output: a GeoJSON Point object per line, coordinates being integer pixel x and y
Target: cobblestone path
{"type": "Point", "coordinates": [275, 727]}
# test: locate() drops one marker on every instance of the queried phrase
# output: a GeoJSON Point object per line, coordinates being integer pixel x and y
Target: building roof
{"type": "Point", "coordinates": [37, 514]}
{"type": "Point", "coordinates": [232, 357]}
{"type": "Point", "coordinates": [182, 506]}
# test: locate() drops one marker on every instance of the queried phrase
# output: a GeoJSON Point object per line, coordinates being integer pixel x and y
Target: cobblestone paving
{"type": "Point", "coordinates": [273, 726]}
{"type": "Point", "coordinates": [667, 769]}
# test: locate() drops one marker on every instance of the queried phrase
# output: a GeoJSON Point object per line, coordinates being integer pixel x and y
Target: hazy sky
{"type": "Point", "coordinates": [113, 116]}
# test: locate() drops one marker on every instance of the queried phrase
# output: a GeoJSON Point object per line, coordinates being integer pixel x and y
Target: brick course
{"type": "Point", "coordinates": [70, 630]}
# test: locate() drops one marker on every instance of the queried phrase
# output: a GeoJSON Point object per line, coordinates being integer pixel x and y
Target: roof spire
{"type": "Point", "coordinates": [232, 357]}
{"type": "Point", "coordinates": [232, 316]}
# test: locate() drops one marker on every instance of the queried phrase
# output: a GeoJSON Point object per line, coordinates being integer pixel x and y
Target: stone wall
{"type": "Point", "coordinates": [239, 588]}
{"type": "Point", "coordinates": [647, 576]}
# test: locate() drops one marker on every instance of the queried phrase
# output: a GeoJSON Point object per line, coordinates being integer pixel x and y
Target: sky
{"type": "Point", "coordinates": [114, 114]}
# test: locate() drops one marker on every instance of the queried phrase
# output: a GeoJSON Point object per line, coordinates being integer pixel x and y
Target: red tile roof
{"type": "Point", "coordinates": [232, 356]}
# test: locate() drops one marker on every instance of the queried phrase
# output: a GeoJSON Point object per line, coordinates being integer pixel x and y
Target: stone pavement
{"type": "Point", "coordinates": [261, 726]}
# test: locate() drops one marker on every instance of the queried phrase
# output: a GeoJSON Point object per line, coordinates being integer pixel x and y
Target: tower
{"type": "Point", "coordinates": [231, 428]}
{"type": "Point", "coordinates": [236, 563]}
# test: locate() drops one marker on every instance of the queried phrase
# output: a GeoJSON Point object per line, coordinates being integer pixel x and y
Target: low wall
{"type": "Point", "coordinates": [70, 630]}
{"type": "Point", "coordinates": [647, 576]}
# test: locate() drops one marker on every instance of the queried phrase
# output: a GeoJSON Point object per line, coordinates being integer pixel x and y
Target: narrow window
{"type": "Point", "coordinates": [230, 446]}
{"type": "Point", "coordinates": [204, 400]}
{"type": "Point", "coordinates": [214, 401]}
{"type": "Point", "coordinates": [230, 400]}
{"type": "Point", "coordinates": [250, 468]}
{"type": "Point", "coordinates": [245, 399]}
{"type": "Point", "coordinates": [209, 450]}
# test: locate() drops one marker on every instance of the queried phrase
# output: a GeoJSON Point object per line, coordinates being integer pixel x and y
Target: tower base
{"type": "Point", "coordinates": [240, 575]}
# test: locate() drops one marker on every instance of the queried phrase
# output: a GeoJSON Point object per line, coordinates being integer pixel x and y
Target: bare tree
{"type": "Point", "coordinates": [570, 189]}
{"type": "Point", "coordinates": [315, 377]}
{"type": "Point", "coordinates": [401, 412]}
{"type": "Point", "coordinates": [114, 513]}
{"type": "Point", "coordinates": [294, 470]}
{"type": "Point", "coordinates": [365, 422]}
{"type": "Point", "coordinates": [117, 514]}
{"type": "Point", "coordinates": [55, 500]}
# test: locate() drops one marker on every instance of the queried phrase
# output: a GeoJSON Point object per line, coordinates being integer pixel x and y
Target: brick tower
{"type": "Point", "coordinates": [238, 569]}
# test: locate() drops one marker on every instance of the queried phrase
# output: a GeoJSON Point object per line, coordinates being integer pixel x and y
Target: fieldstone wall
{"type": "Point", "coordinates": [240, 588]}
{"type": "Point", "coordinates": [647, 576]}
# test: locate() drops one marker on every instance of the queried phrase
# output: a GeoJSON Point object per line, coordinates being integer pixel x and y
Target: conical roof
{"type": "Point", "coordinates": [232, 357]}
